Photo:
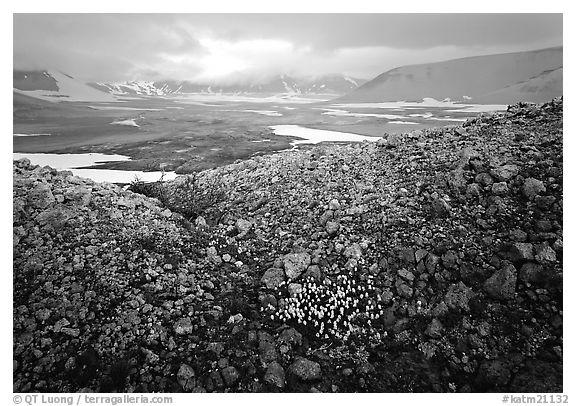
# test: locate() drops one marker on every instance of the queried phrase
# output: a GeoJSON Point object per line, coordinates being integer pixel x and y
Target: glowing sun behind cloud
{"type": "Point", "coordinates": [226, 57]}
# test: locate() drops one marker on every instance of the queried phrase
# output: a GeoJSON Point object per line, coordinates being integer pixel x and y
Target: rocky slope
{"type": "Point", "coordinates": [433, 258]}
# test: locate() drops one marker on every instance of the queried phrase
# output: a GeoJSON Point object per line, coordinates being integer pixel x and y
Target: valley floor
{"type": "Point", "coordinates": [442, 249]}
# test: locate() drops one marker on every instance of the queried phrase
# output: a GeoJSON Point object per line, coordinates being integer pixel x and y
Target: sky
{"type": "Point", "coordinates": [251, 47]}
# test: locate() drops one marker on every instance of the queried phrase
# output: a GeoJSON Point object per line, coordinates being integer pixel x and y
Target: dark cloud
{"type": "Point", "coordinates": [126, 46]}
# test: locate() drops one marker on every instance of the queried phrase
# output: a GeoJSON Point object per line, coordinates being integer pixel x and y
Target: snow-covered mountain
{"type": "Point", "coordinates": [502, 79]}
{"type": "Point", "coordinates": [282, 84]}
{"type": "Point", "coordinates": [56, 86]}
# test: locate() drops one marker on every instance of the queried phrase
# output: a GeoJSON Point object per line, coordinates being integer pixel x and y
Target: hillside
{"type": "Point", "coordinates": [428, 261]}
{"type": "Point", "coordinates": [534, 76]}
{"type": "Point", "coordinates": [56, 86]}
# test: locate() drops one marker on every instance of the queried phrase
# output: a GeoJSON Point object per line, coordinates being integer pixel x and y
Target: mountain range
{"type": "Point", "coordinates": [533, 76]}
{"type": "Point", "coordinates": [329, 84]}
{"type": "Point", "coordinates": [53, 85]}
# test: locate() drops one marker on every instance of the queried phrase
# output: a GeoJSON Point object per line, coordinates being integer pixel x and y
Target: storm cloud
{"type": "Point", "coordinates": [224, 47]}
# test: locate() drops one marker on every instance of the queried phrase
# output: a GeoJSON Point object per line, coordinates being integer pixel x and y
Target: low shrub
{"type": "Point", "coordinates": [191, 196]}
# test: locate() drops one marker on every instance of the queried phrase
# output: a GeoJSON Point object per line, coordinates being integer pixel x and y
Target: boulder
{"type": "Point", "coordinates": [275, 375]}
{"type": "Point", "coordinates": [230, 375]}
{"type": "Point", "coordinates": [305, 370]}
{"type": "Point", "coordinates": [458, 296]}
{"type": "Point", "coordinates": [532, 187]}
{"type": "Point", "coordinates": [272, 278]}
{"type": "Point", "coordinates": [521, 251]}
{"type": "Point", "coordinates": [186, 377]}
{"type": "Point", "coordinates": [505, 172]}
{"type": "Point", "coordinates": [295, 264]}
{"type": "Point", "coordinates": [502, 284]}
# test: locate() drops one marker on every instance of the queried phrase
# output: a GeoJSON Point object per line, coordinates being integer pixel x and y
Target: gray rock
{"type": "Point", "coordinates": [532, 187]}
{"type": "Point", "coordinates": [502, 284]}
{"type": "Point", "coordinates": [332, 227]}
{"type": "Point", "coordinates": [290, 336]}
{"type": "Point", "coordinates": [313, 271]}
{"type": "Point", "coordinates": [200, 222]}
{"type": "Point", "coordinates": [294, 289]}
{"type": "Point", "coordinates": [79, 194]}
{"type": "Point", "coordinates": [434, 329]}
{"type": "Point", "coordinates": [56, 217]}
{"type": "Point", "coordinates": [505, 172]}
{"type": "Point", "coordinates": [74, 332]}
{"type": "Point", "coordinates": [450, 259]}
{"type": "Point", "coordinates": [500, 188]}
{"type": "Point", "coordinates": [420, 254]}
{"type": "Point", "coordinates": [295, 264]}
{"type": "Point", "coordinates": [521, 251]}
{"type": "Point", "coordinates": [275, 375]}
{"type": "Point", "coordinates": [266, 348]}
{"type": "Point", "coordinates": [404, 290]}
{"type": "Point", "coordinates": [473, 189]}
{"type": "Point", "coordinates": [484, 179]}
{"type": "Point", "coordinates": [183, 326]}
{"type": "Point", "coordinates": [431, 263]}
{"type": "Point", "coordinates": [230, 375]}
{"type": "Point", "coordinates": [440, 309]}
{"type": "Point", "coordinates": [544, 202]}
{"type": "Point", "coordinates": [186, 377]}
{"type": "Point", "coordinates": [243, 226]}
{"type": "Point", "coordinates": [458, 296]}
{"type": "Point", "coordinates": [334, 204]}
{"type": "Point", "coordinates": [545, 253]}
{"type": "Point", "coordinates": [440, 208]}
{"type": "Point", "coordinates": [518, 235]}
{"type": "Point", "coordinates": [305, 369]}
{"type": "Point", "coordinates": [405, 274]}
{"type": "Point", "coordinates": [41, 196]}
{"type": "Point", "coordinates": [531, 272]}
{"type": "Point", "coordinates": [272, 278]}
{"type": "Point", "coordinates": [493, 374]}
{"type": "Point", "coordinates": [353, 251]}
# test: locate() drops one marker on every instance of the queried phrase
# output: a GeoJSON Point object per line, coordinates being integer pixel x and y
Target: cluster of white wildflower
{"type": "Point", "coordinates": [332, 309]}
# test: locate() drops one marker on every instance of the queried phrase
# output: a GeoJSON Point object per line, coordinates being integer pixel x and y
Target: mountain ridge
{"type": "Point", "coordinates": [470, 78]}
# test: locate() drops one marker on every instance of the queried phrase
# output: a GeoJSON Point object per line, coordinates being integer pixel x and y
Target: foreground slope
{"type": "Point", "coordinates": [480, 79]}
{"type": "Point", "coordinates": [442, 249]}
